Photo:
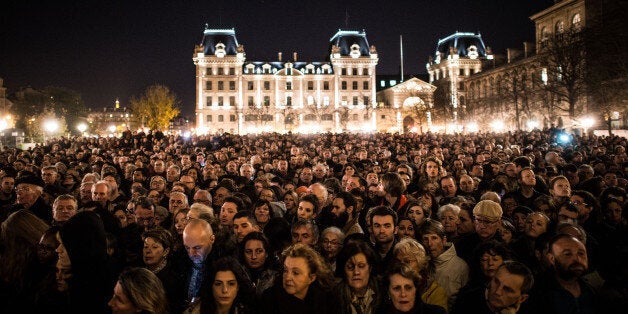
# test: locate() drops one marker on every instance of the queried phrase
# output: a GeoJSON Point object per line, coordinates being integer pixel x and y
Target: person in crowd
{"type": "Point", "coordinates": [231, 289]}
{"type": "Point", "coordinates": [464, 224]}
{"type": "Point", "coordinates": [198, 240]}
{"type": "Point", "coordinates": [358, 290]}
{"type": "Point", "coordinates": [157, 252]}
{"type": "Point", "coordinates": [560, 189]}
{"type": "Point", "coordinates": [305, 287]}
{"type": "Point", "coordinates": [63, 208]}
{"type": "Point", "coordinates": [491, 255]}
{"type": "Point", "coordinates": [244, 222]}
{"type": "Point", "coordinates": [291, 200]}
{"type": "Point", "coordinates": [487, 217]}
{"type": "Point", "coordinates": [344, 213]}
{"type": "Point", "coordinates": [537, 224]}
{"type": "Point", "coordinates": [256, 256]}
{"type": "Point", "coordinates": [412, 253]}
{"type": "Point", "coordinates": [29, 195]}
{"type": "Point", "coordinates": [418, 211]}
{"type": "Point", "coordinates": [406, 228]}
{"type": "Point", "coordinates": [384, 222]}
{"type": "Point", "coordinates": [308, 207]}
{"type": "Point", "coordinates": [331, 243]}
{"type": "Point", "coordinates": [20, 274]}
{"type": "Point", "coordinates": [449, 270]}
{"type": "Point", "coordinates": [83, 250]}
{"type": "Point", "coordinates": [263, 211]}
{"type": "Point", "coordinates": [392, 190]}
{"type": "Point", "coordinates": [448, 216]}
{"type": "Point", "coordinates": [507, 291]}
{"type": "Point", "coordinates": [138, 291]}
{"type": "Point", "coordinates": [402, 285]}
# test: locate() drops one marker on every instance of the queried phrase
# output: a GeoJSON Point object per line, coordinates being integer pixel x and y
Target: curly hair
{"type": "Point", "coordinates": [315, 262]}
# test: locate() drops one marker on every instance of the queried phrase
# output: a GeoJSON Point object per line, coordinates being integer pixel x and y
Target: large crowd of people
{"type": "Point", "coordinates": [524, 221]}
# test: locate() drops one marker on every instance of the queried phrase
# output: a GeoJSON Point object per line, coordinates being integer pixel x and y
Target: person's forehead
{"type": "Point", "coordinates": [382, 219]}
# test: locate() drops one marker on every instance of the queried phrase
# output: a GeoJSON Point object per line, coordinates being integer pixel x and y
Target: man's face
{"type": "Point", "coordinates": [305, 211]}
{"type": "Point", "coordinates": [227, 211]}
{"type": "Point", "coordinates": [449, 187]}
{"type": "Point", "coordinates": [27, 194]}
{"type": "Point", "coordinates": [341, 214]}
{"type": "Point", "coordinates": [434, 244]}
{"type": "Point", "coordinates": [100, 193]}
{"type": "Point", "coordinates": [197, 243]}
{"type": "Point", "coordinates": [384, 229]}
{"type": "Point", "coordinates": [505, 290]}
{"type": "Point", "coordinates": [8, 184]}
{"type": "Point", "coordinates": [372, 178]}
{"type": "Point", "coordinates": [172, 174]}
{"type": "Point", "coordinates": [189, 182]}
{"type": "Point", "coordinates": [352, 183]}
{"type": "Point", "coordinates": [304, 235]}
{"type": "Point", "coordinates": [528, 178]}
{"type": "Point", "coordinates": [431, 169]}
{"type": "Point", "coordinates": [232, 167]}
{"type": "Point", "coordinates": [159, 166]}
{"type": "Point", "coordinates": [485, 227]}
{"type": "Point", "coordinates": [241, 227]}
{"type": "Point", "coordinates": [186, 162]}
{"type": "Point", "coordinates": [144, 217]}
{"type": "Point", "coordinates": [64, 210]}
{"type": "Point", "coordinates": [282, 166]}
{"type": "Point", "coordinates": [138, 176]}
{"type": "Point", "coordinates": [246, 171]}
{"type": "Point", "coordinates": [306, 175]}
{"type": "Point", "coordinates": [49, 176]}
{"type": "Point", "coordinates": [319, 172]}
{"type": "Point", "coordinates": [466, 184]}
{"type": "Point", "coordinates": [219, 196]}
{"type": "Point", "coordinates": [177, 201]}
{"type": "Point", "coordinates": [584, 209]}
{"type": "Point", "coordinates": [569, 258]}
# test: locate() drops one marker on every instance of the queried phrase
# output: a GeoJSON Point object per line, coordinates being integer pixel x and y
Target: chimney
{"type": "Point", "coordinates": [279, 56]}
{"type": "Point", "coordinates": [294, 56]}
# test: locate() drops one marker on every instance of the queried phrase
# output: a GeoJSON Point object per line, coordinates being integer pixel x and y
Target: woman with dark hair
{"type": "Point", "coordinates": [430, 204]}
{"type": "Point", "coordinates": [263, 211]}
{"type": "Point", "coordinates": [157, 253]}
{"type": "Point", "coordinates": [402, 285]}
{"type": "Point", "coordinates": [291, 200]}
{"type": "Point", "coordinates": [138, 290]}
{"type": "Point", "coordinates": [83, 249]}
{"type": "Point", "coordinates": [19, 270]}
{"type": "Point", "coordinates": [231, 292]}
{"type": "Point", "coordinates": [358, 289]}
{"type": "Point", "coordinates": [305, 286]}
{"type": "Point", "coordinates": [255, 255]}
{"type": "Point", "coordinates": [488, 256]}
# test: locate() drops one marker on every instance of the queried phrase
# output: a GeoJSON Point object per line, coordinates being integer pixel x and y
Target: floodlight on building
{"type": "Point", "coordinates": [112, 128]}
{"type": "Point", "coordinates": [51, 125]}
{"type": "Point", "coordinates": [497, 126]}
{"type": "Point", "coordinates": [81, 127]}
{"type": "Point", "coordinates": [532, 124]}
{"type": "Point", "coordinates": [472, 127]}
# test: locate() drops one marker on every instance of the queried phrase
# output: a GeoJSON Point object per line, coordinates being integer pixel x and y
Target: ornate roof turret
{"type": "Point", "coordinates": [219, 42]}
{"type": "Point", "coordinates": [465, 45]}
{"type": "Point", "coordinates": [347, 43]}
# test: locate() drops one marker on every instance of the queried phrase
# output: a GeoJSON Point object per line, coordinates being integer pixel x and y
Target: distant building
{"type": "Point", "coordinates": [112, 120]}
{"type": "Point", "coordinates": [236, 95]}
{"type": "Point", "coordinates": [6, 120]}
{"type": "Point", "coordinates": [515, 91]}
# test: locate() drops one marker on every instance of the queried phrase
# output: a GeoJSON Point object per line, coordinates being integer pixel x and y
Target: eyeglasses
{"type": "Point", "coordinates": [331, 243]}
{"type": "Point", "coordinates": [578, 203]}
{"type": "Point", "coordinates": [23, 189]}
{"type": "Point", "coordinates": [484, 222]}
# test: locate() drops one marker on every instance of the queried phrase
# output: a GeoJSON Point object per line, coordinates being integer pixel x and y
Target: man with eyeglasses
{"type": "Point", "coordinates": [487, 217]}
{"type": "Point", "coordinates": [145, 213]}
{"type": "Point", "coordinates": [203, 197]}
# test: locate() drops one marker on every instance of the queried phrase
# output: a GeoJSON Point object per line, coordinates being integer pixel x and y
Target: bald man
{"type": "Point", "coordinates": [198, 239]}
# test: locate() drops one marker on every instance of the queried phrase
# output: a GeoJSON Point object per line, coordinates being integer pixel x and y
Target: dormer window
{"type": "Point", "coordinates": [472, 52]}
{"type": "Point", "coordinates": [355, 51]}
{"type": "Point", "coordinates": [220, 50]}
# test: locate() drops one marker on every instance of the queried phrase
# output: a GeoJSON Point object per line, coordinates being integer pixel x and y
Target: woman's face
{"type": "Point", "coordinates": [349, 171]}
{"type": "Point", "coordinates": [180, 221]}
{"type": "Point", "coordinates": [449, 221]}
{"type": "Point", "coordinates": [465, 223]}
{"type": "Point", "coordinates": [358, 272]}
{"type": "Point", "coordinates": [416, 214]}
{"type": "Point", "coordinates": [331, 245]}
{"type": "Point", "coordinates": [427, 200]}
{"type": "Point", "coordinates": [120, 303]}
{"type": "Point", "coordinates": [489, 264]}
{"type": "Point", "coordinates": [409, 260]}
{"type": "Point", "coordinates": [535, 225]}
{"type": "Point", "coordinates": [153, 252]}
{"type": "Point", "coordinates": [289, 201]}
{"type": "Point", "coordinates": [262, 214]}
{"type": "Point", "coordinates": [254, 254]}
{"type": "Point", "coordinates": [402, 292]}
{"type": "Point", "coordinates": [561, 188]}
{"type": "Point", "coordinates": [305, 211]}
{"type": "Point", "coordinates": [296, 277]}
{"type": "Point", "coordinates": [406, 229]}
{"type": "Point", "coordinates": [506, 234]}
{"type": "Point", "coordinates": [225, 288]}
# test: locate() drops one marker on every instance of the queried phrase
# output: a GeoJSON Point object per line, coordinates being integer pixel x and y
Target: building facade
{"type": "Point", "coordinates": [236, 95]}
{"type": "Point", "coordinates": [111, 121]}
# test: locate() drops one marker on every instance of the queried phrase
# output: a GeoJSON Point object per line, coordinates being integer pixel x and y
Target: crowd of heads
{"type": "Point", "coordinates": [159, 223]}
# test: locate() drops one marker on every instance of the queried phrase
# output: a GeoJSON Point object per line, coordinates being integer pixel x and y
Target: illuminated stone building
{"type": "Point", "coordinates": [408, 106]}
{"type": "Point", "coordinates": [514, 90]}
{"type": "Point", "coordinates": [111, 120]}
{"type": "Point", "coordinates": [237, 95]}
{"type": "Point", "coordinates": [457, 57]}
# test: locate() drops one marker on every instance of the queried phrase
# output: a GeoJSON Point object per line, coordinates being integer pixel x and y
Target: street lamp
{"type": "Point", "coordinates": [50, 126]}
{"type": "Point", "coordinates": [81, 127]}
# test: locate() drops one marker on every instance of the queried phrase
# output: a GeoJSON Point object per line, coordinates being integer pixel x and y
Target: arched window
{"type": "Point", "coordinates": [559, 28]}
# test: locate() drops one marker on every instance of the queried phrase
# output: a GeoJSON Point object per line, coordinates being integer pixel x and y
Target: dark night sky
{"type": "Point", "coordinates": [115, 49]}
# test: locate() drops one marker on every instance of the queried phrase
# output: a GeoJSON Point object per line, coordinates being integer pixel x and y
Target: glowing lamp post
{"type": "Point", "coordinates": [50, 126]}
{"type": "Point", "coordinates": [81, 127]}
{"type": "Point", "coordinates": [587, 123]}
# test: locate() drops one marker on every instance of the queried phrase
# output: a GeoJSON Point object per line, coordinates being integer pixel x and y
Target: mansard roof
{"type": "Point", "coordinates": [257, 67]}
{"type": "Point", "coordinates": [212, 37]}
{"type": "Point", "coordinates": [462, 42]}
{"type": "Point", "coordinates": [344, 39]}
